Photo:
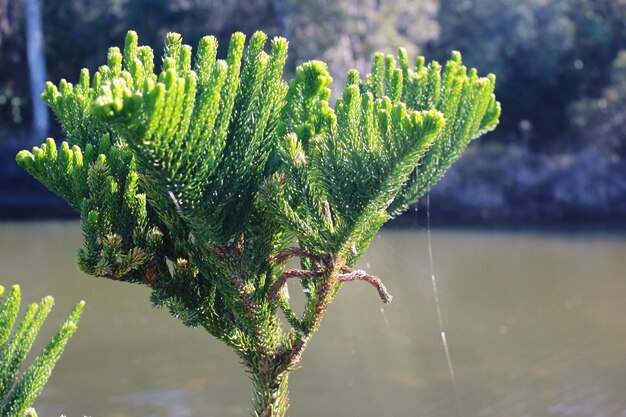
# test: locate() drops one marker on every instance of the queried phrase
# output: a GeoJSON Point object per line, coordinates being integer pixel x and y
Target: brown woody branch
{"type": "Point", "coordinates": [358, 275]}
{"type": "Point", "coordinates": [290, 273]}
{"type": "Point", "coordinates": [288, 253]}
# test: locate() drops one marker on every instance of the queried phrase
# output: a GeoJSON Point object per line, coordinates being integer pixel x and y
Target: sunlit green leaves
{"type": "Point", "coordinates": [17, 393]}
{"type": "Point", "coordinates": [465, 100]}
{"type": "Point", "coordinates": [192, 176]}
{"type": "Point", "coordinates": [418, 118]}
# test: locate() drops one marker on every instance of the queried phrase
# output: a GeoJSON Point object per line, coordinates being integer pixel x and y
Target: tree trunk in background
{"type": "Point", "coordinates": [37, 69]}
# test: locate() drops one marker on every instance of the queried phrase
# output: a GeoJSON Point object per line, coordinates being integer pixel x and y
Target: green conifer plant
{"type": "Point", "coordinates": [18, 393]}
{"type": "Point", "coordinates": [202, 179]}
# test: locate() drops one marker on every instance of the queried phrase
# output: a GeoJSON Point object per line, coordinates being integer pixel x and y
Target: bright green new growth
{"type": "Point", "coordinates": [18, 393]}
{"type": "Point", "coordinates": [201, 180]}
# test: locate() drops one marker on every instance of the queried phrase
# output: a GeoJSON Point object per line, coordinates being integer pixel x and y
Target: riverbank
{"type": "Point", "coordinates": [509, 185]}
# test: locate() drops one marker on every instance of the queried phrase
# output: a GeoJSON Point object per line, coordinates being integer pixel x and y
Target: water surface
{"type": "Point", "coordinates": [536, 325]}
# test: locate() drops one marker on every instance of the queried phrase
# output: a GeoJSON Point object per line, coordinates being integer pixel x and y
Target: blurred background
{"type": "Point", "coordinates": [557, 156]}
{"type": "Point", "coordinates": [531, 288]}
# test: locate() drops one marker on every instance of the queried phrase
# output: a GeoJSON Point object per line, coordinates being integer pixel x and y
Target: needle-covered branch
{"type": "Point", "coordinates": [19, 392]}
{"type": "Point", "coordinates": [203, 177]}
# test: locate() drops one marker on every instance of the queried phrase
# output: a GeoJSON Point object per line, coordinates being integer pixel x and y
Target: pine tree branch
{"type": "Point", "coordinates": [199, 177]}
{"type": "Point", "coordinates": [18, 393]}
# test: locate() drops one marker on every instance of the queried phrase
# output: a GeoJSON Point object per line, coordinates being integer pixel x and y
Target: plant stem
{"type": "Point", "coordinates": [271, 394]}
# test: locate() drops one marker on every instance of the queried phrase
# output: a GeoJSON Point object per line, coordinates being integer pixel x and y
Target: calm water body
{"type": "Point", "coordinates": [536, 325]}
